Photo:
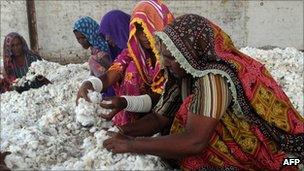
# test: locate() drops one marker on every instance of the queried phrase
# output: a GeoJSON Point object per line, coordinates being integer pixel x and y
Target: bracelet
{"type": "Point", "coordinates": [140, 104]}
{"type": "Point", "coordinates": [96, 82]}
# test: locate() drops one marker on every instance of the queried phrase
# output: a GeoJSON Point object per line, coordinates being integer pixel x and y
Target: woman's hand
{"type": "Point", "coordinates": [118, 143]}
{"type": "Point", "coordinates": [43, 80]}
{"type": "Point", "coordinates": [84, 90]}
{"type": "Point", "coordinates": [115, 103]}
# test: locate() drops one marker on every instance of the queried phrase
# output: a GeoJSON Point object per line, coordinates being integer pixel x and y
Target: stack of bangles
{"type": "Point", "coordinates": [140, 104]}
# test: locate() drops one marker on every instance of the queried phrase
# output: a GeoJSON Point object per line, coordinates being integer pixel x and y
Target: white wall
{"type": "Point", "coordinates": [276, 23]}
{"type": "Point", "coordinates": [249, 23]}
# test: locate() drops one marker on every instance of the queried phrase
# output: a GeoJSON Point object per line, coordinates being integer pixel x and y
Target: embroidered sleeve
{"type": "Point", "coordinates": [99, 62]}
{"type": "Point", "coordinates": [96, 67]}
{"type": "Point", "coordinates": [211, 96]}
{"type": "Point", "coordinates": [103, 59]}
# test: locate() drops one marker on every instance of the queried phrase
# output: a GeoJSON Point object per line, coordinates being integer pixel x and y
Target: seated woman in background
{"type": "Point", "coordinates": [114, 27]}
{"type": "Point", "coordinates": [136, 72]}
{"type": "Point", "coordinates": [227, 110]}
{"type": "Point", "coordinates": [17, 59]}
{"type": "Point", "coordinates": [86, 32]}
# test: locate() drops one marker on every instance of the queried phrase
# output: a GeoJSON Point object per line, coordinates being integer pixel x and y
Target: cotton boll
{"type": "Point", "coordinates": [88, 113]}
{"type": "Point", "coordinates": [100, 136]}
{"type": "Point", "coordinates": [62, 156]}
{"type": "Point", "coordinates": [79, 165]}
{"type": "Point", "coordinates": [93, 129]}
{"type": "Point", "coordinates": [95, 97]}
{"type": "Point", "coordinates": [85, 120]}
{"type": "Point", "coordinates": [33, 144]}
{"type": "Point", "coordinates": [88, 142]}
{"type": "Point", "coordinates": [139, 163]}
{"type": "Point", "coordinates": [14, 149]}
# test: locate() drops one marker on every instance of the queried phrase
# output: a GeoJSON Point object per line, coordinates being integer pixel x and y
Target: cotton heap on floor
{"type": "Point", "coordinates": [43, 127]}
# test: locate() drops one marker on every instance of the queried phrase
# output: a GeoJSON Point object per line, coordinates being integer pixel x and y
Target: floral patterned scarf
{"type": "Point", "coordinates": [89, 28]}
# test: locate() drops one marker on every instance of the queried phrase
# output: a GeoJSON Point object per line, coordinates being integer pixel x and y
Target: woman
{"type": "Point", "coordinates": [136, 71]}
{"type": "Point", "coordinates": [86, 33]}
{"type": "Point", "coordinates": [17, 59]}
{"type": "Point", "coordinates": [114, 26]}
{"type": "Point", "coordinates": [232, 114]}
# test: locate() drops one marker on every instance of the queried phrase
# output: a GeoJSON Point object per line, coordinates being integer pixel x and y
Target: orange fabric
{"type": "Point", "coordinates": [153, 16]}
{"type": "Point", "coordinates": [265, 95]}
{"type": "Point", "coordinates": [139, 76]}
{"type": "Point", "coordinates": [235, 143]}
{"type": "Point", "coordinates": [261, 126]}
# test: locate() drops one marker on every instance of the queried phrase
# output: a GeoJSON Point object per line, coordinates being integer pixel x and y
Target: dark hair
{"type": "Point", "coordinates": [158, 40]}
{"type": "Point", "coordinates": [139, 27]}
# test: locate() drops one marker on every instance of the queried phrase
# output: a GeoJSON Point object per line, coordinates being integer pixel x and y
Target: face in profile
{"type": "Point", "coordinates": [82, 40]}
{"type": "Point", "coordinates": [142, 38]}
{"type": "Point", "coordinates": [170, 63]}
{"type": "Point", "coordinates": [16, 46]}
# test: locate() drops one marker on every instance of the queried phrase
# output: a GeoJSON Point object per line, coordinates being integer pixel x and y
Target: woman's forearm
{"type": "Point", "coordinates": [146, 126]}
{"type": "Point", "coordinates": [172, 146]}
{"type": "Point", "coordinates": [192, 140]}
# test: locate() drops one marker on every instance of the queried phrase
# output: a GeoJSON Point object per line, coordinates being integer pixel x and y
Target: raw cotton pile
{"type": "Point", "coordinates": [97, 157]}
{"type": "Point", "coordinates": [39, 126]}
{"type": "Point", "coordinates": [42, 131]}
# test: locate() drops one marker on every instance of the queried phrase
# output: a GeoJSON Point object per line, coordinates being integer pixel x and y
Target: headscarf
{"type": "Point", "coordinates": [89, 28]}
{"type": "Point", "coordinates": [9, 65]}
{"type": "Point", "coordinates": [201, 47]}
{"type": "Point", "coordinates": [116, 24]}
{"type": "Point", "coordinates": [153, 16]}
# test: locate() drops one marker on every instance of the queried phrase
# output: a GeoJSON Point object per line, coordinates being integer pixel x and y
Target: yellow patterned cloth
{"type": "Point", "coordinates": [259, 127]}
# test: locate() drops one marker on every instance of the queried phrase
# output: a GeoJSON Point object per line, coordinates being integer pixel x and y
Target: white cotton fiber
{"type": "Point", "coordinates": [40, 126]}
{"type": "Point", "coordinates": [88, 113]}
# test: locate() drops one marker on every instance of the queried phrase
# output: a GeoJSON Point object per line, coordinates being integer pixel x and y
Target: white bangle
{"type": "Point", "coordinates": [140, 104]}
{"type": "Point", "coordinates": [96, 82]}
